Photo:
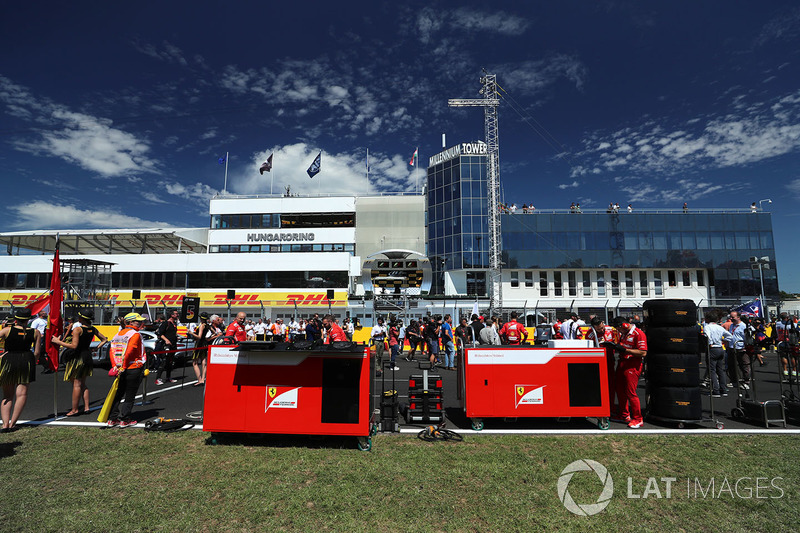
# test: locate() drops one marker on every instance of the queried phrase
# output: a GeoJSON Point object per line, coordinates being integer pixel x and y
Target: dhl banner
{"type": "Point", "coordinates": [269, 298]}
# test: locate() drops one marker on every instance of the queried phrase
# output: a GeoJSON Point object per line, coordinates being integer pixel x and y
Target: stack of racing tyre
{"type": "Point", "coordinates": [673, 360]}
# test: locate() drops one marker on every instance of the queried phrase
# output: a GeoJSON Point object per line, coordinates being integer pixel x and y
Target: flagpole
{"type": "Point", "coordinates": [225, 187]}
{"type": "Point", "coordinates": [272, 180]}
{"type": "Point", "coordinates": [367, 164]}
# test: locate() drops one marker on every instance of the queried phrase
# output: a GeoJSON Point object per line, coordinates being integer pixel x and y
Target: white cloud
{"type": "Point", "coordinates": [44, 215]}
{"type": "Point", "coordinates": [568, 185]}
{"type": "Point", "coordinates": [87, 141]}
{"type": "Point", "coordinates": [530, 77]}
{"type": "Point", "coordinates": [749, 133]}
{"type": "Point", "coordinates": [794, 188]}
{"type": "Point", "coordinates": [675, 192]}
{"type": "Point", "coordinates": [196, 192]}
{"type": "Point", "coordinates": [342, 173]}
{"type": "Point", "coordinates": [468, 19]}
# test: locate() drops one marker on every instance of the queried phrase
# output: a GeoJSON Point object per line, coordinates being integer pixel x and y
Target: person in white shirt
{"type": "Point", "coordinates": [349, 328]}
{"type": "Point", "coordinates": [248, 328]}
{"type": "Point", "coordinates": [401, 335]}
{"type": "Point", "coordinates": [259, 329]}
{"type": "Point", "coordinates": [566, 327]}
{"type": "Point", "coordinates": [294, 329]}
{"type": "Point", "coordinates": [40, 324]}
{"type": "Point", "coordinates": [378, 336]}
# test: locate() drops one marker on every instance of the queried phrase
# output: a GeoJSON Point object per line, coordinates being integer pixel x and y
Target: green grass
{"type": "Point", "coordinates": [86, 479]}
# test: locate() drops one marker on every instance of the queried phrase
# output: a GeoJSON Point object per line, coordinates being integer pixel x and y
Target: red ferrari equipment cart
{"type": "Point", "coordinates": [266, 387]}
{"type": "Point", "coordinates": [523, 381]}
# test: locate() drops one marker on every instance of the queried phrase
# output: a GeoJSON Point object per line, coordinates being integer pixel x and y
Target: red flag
{"type": "Point", "coordinates": [37, 306]}
{"type": "Point", "coordinates": [55, 322]}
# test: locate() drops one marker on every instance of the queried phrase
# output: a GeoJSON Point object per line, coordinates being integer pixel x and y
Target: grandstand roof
{"type": "Point", "coordinates": [107, 241]}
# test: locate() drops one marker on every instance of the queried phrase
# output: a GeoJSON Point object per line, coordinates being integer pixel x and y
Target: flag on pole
{"type": "Point", "coordinates": [55, 322]}
{"type": "Point", "coordinates": [266, 166]}
{"type": "Point", "coordinates": [475, 309]}
{"type": "Point", "coordinates": [367, 160]}
{"type": "Point", "coordinates": [414, 157]}
{"type": "Point", "coordinates": [42, 304]}
{"type": "Point", "coordinates": [222, 160]}
{"type": "Point", "coordinates": [314, 169]}
{"type": "Point", "coordinates": [752, 308]}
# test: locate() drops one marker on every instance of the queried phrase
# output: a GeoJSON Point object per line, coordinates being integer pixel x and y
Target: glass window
{"type": "Point", "coordinates": [702, 240]}
{"type": "Point", "coordinates": [601, 283]}
{"type": "Point", "coordinates": [658, 287]}
{"type": "Point", "coordinates": [730, 241]}
{"type": "Point", "coordinates": [659, 240]}
{"type": "Point", "coordinates": [529, 279]}
{"type": "Point", "coordinates": [558, 289]}
{"type": "Point", "coordinates": [587, 284]}
{"type": "Point", "coordinates": [631, 241]}
{"type": "Point", "coordinates": [216, 220]}
{"type": "Point", "coordinates": [614, 283]}
{"type": "Point", "coordinates": [742, 241]}
{"type": "Point", "coordinates": [644, 287]}
{"type": "Point", "coordinates": [542, 283]}
{"type": "Point", "coordinates": [645, 240]}
{"type": "Point", "coordinates": [628, 283]}
{"type": "Point", "coordinates": [673, 282]}
{"type": "Point", "coordinates": [689, 240]}
{"type": "Point", "coordinates": [687, 278]}
{"type": "Point", "coordinates": [572, 283]}
{"type": "Point", "coordinates": [717, 240]}
{"type": "Point", "coordinates": [675, 241]}
{"type": "Point", "coordinates": [701, 278]}
{"type": "Point", "coordinates": [514, 279]}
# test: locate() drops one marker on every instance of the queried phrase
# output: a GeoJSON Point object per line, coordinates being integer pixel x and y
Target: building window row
{"type": "Point", "coordinates": [228, 280]}
{"type": "Point", "coordinates": [275, 220]}
{"type": "Point", "coordinates": [603, 283]}
{"type": "Point", "coordinates": [281, 248]}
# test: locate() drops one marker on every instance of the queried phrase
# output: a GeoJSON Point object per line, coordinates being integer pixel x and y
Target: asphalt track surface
{"type": "Point", "coordinates": [183, 400]}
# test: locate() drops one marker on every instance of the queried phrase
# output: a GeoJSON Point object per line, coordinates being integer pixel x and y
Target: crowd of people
{"type": "Point", "coordinates": [736, 342]}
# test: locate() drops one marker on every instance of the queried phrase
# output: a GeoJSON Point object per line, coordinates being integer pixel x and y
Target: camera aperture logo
{"type": "Point", "coordinates": [587, 509]}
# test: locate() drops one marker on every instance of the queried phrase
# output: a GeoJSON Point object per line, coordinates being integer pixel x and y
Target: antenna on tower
{"type": "Point", "coordinates": [490, 102]}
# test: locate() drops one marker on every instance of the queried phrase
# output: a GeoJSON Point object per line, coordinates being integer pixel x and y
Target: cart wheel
{"type": "Point", "coordinates": [720, 425]}
{"type": "Point", "coordinates": [681, 425]}
{"type": "Point", "coordinates": [365, 444]}
{"type": "Point", "coordinates": [603, 423]}
{"type": "Point", "coordinates": [374, 430]}
{"type": "Point", "coordinates": [477, 424]}
{"type": "Point", "coordinates": [736, 412]}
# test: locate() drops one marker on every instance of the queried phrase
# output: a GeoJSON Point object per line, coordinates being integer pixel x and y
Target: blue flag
{"type": "Point", "coordinates": [221, 160]}
{"type": "Point", "coordinates": [314, 169]}
{"type": "Point", "coordinates": [752, 308]}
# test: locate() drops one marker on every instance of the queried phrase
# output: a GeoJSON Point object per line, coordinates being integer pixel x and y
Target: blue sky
{"type": "Point", "coordinates": [114, 115]}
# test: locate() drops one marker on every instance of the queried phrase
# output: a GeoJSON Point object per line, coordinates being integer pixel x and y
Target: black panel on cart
{"type": "Point", "coordinates": [340, 390]}
{"type": "Point", "coordinates": [584, 384]}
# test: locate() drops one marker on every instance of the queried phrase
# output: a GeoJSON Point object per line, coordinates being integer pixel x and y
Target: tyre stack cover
{"type": "Point", "coordinates": [673, 359]}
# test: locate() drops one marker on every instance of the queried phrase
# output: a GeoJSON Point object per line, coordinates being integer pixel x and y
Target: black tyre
{"type": "Point", "coordinates": [680, 403]}
{"type": "Point", "coordinates": [673, 340]}
{"type": "Point", "coordinates": [673, 370]}
{"type": "Point", "coordinates": [664, 313]}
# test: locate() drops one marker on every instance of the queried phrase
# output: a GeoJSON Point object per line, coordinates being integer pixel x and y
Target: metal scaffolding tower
{"type": "Point", "coordinates": [490, 102]}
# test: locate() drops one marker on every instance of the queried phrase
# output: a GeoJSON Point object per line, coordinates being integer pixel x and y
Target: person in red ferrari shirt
{"type": "Point", "coordinates": [335, 332]}
{"type": "Point", "coordinates": [632, 347]}
{"type": "Point", "coordinates": [236, 328]}
{"type": "Point", "coordinates": [513, 332]}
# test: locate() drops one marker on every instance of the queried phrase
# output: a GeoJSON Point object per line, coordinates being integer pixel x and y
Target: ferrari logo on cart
{"type": "Point", "coordinates": [529, 395]}
{"type": "Point", "coordinates": [281, 397]}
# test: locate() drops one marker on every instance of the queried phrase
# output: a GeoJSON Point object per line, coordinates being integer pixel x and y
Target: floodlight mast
{"type": "Point", "coordinates": [490, 102]}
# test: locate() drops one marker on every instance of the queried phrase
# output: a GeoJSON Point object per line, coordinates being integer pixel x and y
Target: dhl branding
{"type": "Point", "coordinates": [220, 299]}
